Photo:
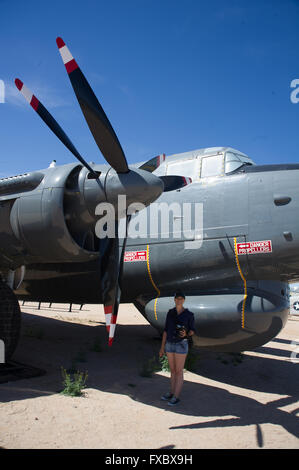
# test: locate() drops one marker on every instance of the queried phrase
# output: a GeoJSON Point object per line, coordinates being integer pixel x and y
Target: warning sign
{"type": "Point", "coordinates": [251, 248]}
{"type": "Point", "coordinates": [135, 256]}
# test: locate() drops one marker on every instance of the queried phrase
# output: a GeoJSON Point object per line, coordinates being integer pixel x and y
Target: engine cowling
{"type": "Point", "coordinates": [220, 322]}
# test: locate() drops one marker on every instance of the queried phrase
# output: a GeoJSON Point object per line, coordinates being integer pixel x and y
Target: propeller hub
{"type": "Point", "coordinates": [138, 186]}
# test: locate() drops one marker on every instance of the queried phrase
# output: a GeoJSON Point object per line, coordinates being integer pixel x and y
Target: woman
{"type": "Point", "coordinates": [179, 326]}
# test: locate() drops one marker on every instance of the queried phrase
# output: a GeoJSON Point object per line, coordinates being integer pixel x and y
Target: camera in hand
{"type": "Point", "coordinates": [179, 329]}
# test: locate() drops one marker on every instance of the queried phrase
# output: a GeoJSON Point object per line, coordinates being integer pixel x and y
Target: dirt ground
{"type": "Point", "coordinates": [229, 401]}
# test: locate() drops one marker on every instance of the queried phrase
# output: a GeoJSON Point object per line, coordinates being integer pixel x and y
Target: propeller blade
{"type": "Point", "coordinates": [94, 114]}
{"type": "Point", "coordinates": [51, 122]}
{"type": "Point", "coordinates": [152, 164]}
{"type": "Point", "coordinates": [109, 256]}
{"type": "Point", "coordinates": [119, 285]}
{"type": "Point", "coordinates": [172, 182]}
{"type": "Point", "coordinates": [111, 273]}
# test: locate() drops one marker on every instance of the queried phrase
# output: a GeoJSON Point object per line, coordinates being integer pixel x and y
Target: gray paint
{"type": "Point", "coordinates": [48, 230]}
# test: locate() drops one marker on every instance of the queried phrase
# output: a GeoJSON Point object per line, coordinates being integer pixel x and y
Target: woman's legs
{"type": "Point", "coordinates": [171, 362]}
{"type": "Point", "coordinates": [176, 364]}
{"type": "Point", "coordinates": [179, 373]}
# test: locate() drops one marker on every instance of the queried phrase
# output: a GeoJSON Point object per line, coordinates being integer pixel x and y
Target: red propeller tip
{"type": "Point", "coordinates": [19, 84]}
{"type": "Point", "coordinates": [60, 42]}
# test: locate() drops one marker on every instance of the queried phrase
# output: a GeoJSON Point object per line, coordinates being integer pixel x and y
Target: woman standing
{"type": "Point", "coordinates": [179, 326]}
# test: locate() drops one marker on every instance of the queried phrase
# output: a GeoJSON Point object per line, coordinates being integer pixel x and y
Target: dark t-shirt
{"type": "Point", "coordinates": [185, 318]}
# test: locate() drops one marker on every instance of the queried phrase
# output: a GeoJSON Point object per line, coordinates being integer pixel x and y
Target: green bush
{"type": "Point", "coordinates": [73, 385]}
{"type": "Point", "coordinates": [164, 363]}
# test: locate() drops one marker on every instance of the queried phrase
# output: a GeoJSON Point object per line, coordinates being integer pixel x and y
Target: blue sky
{"type": "Point", "coordinates": [172, 76]}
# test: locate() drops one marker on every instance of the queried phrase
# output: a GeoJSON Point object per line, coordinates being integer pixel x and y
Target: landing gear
{"type": "Point", "coordinates": [10, 319]}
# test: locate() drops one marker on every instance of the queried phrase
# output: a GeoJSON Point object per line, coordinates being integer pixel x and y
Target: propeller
{"type": "Point", "coordinates": [111, 255]}
{"type": "Point", "coordinates": [108, 249]}
{"type": "Point", "coordinates": [135, 184]}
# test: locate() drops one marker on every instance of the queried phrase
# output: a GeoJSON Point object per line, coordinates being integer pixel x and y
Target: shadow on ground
{"type": "Point", "coordinates": [51, 343]}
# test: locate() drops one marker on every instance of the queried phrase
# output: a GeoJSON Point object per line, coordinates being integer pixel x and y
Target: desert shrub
{"type": "Point", "coordinates": [73, 383]}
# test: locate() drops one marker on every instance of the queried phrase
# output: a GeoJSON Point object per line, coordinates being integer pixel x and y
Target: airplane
{"type": "Point", "coordinates": [234, 265]}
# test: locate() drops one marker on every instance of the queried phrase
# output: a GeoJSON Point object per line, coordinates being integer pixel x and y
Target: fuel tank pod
{"type": "Point", "coordinates": [223, 322]}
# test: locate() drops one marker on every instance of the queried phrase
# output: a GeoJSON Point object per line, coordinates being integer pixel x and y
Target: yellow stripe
{"type": "Point", "coordinates": [244, 280]}
{"type": "Point", "coordinates": [152, 281]}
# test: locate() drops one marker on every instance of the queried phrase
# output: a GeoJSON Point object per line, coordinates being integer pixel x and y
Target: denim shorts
{"type": "Point", "coordinates": [181, 347]}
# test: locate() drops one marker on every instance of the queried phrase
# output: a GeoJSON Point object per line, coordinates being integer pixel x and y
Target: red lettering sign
{"type": "Point", "coordinates": [251, 248]}
{"type": "Point", "coordinates": [135, 256]}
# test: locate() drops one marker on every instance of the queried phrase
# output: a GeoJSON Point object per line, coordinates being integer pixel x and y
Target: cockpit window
{"type": "Point", "coordinates": [234, 160]}
{"type": "Point", "coordinates": [211, 166]}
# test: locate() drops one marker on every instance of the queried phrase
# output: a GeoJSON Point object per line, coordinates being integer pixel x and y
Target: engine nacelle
{"type": "Point", "coordinates": [220, 321]}
{"type": "Point", "coordinates": [36, 224]}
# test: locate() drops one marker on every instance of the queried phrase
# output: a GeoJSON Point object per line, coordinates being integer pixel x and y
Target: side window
{"type": "Point", "coordinates": [183, 168]}
{"type": "Point", "coordinates": [211, 166]}
{"type": "Point", "coordinates": [232, 162]}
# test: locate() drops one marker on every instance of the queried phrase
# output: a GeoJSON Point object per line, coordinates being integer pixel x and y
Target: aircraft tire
{"type": "Point", "coordinates": [10, 319]}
